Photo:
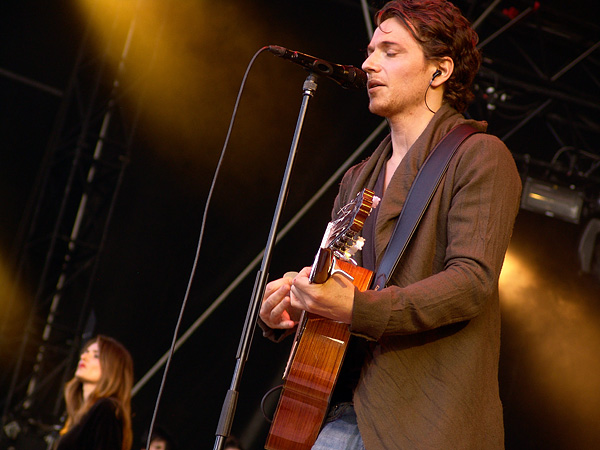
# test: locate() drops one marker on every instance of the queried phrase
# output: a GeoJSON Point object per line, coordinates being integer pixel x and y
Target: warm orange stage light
{"type": "Point", "coordinates": [559, 340]}
{"type": "Point", "coordinates": [13, 307]}
{"type": "Point", "coordinates": [175, 64]}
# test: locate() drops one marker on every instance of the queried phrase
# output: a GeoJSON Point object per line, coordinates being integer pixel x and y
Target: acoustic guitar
{"type": "Point", "coordinates": [320, 344]}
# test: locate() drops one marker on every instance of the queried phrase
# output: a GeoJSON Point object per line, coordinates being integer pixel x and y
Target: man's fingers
{"type": "Point", "coordinates": [280, 308]}
{"type": "Point", "coordinates": [275, 285]}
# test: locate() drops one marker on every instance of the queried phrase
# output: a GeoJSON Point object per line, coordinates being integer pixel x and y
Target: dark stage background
{"type": "Point", "coordinates": [538, 89]}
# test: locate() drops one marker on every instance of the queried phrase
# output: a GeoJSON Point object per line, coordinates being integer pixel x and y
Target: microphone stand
{"type": "Point", "coordinates": [230, 402]}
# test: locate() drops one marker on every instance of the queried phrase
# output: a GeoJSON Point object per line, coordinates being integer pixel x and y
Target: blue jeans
{"type": "Point", "coordinates": [340, 431]}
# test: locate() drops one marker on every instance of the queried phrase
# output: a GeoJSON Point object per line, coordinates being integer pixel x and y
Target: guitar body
{"type": "Point", "coordinates": [311, 375]}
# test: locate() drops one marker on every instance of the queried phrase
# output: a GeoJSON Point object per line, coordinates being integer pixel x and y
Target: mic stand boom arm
{"type": "Point", "coordinates": [230, 402]}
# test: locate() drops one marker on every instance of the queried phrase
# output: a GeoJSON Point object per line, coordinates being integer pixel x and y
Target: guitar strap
{"type": "Point", "coordinates": [419, 196]}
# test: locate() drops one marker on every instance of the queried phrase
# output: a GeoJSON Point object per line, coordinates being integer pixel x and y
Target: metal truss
{"type": "Point", "coordinates": [74, 198]}
{"type": "Point", "coordinates": [539, 89]}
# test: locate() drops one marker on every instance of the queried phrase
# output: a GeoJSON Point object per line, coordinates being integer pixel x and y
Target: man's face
{"type": "Point", "coordinates": [398, 72]}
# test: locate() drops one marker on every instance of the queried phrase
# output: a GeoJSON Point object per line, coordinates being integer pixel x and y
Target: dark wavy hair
{"type": "Point", "coordinates": [441, 30]}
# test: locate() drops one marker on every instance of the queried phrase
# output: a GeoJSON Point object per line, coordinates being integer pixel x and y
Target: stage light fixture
{"type": "Point", "coordinates": [589, 248]}
{"type": "Point", "coordinates": [552, 200]}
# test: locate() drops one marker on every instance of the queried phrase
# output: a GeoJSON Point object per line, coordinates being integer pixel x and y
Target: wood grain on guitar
{"type": "Point", "coordinates": [320, 344]}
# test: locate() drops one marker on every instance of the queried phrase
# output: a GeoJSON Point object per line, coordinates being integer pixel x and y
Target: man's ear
{"type": "Point", "coordinates": [445, 67]}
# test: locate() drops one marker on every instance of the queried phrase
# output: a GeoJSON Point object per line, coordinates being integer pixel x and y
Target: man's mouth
{"type": "Point", "coordinates": [371, 84]}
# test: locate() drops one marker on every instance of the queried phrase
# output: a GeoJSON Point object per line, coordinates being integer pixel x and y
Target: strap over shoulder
{"type": "Point", "coordinates": [419, 196]}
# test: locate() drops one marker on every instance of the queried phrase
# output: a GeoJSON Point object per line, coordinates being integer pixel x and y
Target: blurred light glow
{"type": "Point", "coordinates": [177, 65]}
{"type": "Point", "coordinates": [515, 278]}
{"type": "Point", "coordinates": [13, 307]}
{"type": "Point", "coordinates": [560, 333]}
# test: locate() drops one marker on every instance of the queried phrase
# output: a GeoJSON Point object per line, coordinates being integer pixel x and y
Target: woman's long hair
{"type": "Point", "coordinates": [116, 381]}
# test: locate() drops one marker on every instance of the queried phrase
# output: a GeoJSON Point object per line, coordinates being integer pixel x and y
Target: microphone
{"type": "Point", "coordinates": [348, 77]}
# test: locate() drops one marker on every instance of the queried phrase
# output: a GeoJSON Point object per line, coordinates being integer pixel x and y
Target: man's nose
{"type": "Point", "coordinates": [369, 63]}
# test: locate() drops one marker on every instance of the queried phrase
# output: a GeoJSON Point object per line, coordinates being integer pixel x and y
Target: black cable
{"type": "Point", "coordinates": [264, 399]}
{"type": "Point", "coordinates": [200, 239]}
{"type": "Point", "coordinates": [437, 72]}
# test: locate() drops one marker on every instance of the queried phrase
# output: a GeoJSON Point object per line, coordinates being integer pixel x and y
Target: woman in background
{"type": "Point", "coordinates": [98, 399]}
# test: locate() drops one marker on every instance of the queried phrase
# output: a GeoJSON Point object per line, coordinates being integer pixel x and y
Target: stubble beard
{"type": "Point", "coordinates": [389, 106]}
{"type": "Point", "coordinates": [386, 108]}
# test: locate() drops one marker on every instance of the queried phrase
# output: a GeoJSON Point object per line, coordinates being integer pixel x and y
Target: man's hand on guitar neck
{"type": "Point", "coordinates": [276, 310]}
{"type": "Point", "coordinates": [333, 299]}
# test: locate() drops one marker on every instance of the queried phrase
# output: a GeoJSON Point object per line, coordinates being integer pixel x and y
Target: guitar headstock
{"type": "Point", "coordinates": [342, 237]}
{"type": "Point", "coordinates": [342, 234]}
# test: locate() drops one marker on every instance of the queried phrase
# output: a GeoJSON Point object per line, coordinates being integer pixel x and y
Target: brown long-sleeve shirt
{"type": "Point", "coordinates": [432, 379]}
